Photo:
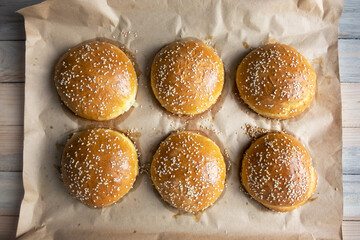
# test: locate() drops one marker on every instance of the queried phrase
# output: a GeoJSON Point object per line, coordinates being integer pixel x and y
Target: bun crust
{"type": "Point", "coordinates": [276, 81]}
{"type": "Point", "coordinates": [99, 166]}
{"type": "Point", "coordinates": [188, 171]}
{"type": "Point", "coordinates": [187, 77]}
{"type": "Point", "coordinates": [277, 172]}
{"type": "Point", "coordinates": [96, 81]}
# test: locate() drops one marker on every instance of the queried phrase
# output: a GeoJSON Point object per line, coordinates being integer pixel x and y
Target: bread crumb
{"type": "Point", "coordinates": [254, 131]}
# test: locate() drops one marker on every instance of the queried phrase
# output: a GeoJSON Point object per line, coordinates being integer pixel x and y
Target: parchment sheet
{"type": "Point", "coordinates": [144, 27]}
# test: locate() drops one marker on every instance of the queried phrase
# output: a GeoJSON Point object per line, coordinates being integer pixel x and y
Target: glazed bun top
{"type": "Point", "coordinates": [188, 170]}
{"type": "Point", "coordinates": [277, 171]}
{"type": "Point", "coordinates": [187, 77]}
{"type": "Point", "coordinates": [96, 81]}
{"type": "Point", "coordinates": [276, 81]}
{"type": "Point", "coordinates": [99, 166]}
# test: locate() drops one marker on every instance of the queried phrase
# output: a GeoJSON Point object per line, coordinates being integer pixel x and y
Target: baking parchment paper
{"type": "Point", "coordinates": [232, 27]}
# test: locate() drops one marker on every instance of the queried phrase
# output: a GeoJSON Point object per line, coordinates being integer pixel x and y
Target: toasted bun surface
{"type": "Point", "coordinates": [187, 77]}
{"type": "Point", "coordinates": [277, 172]}
{"type": "Point", "coordinates": [96, 81]}
{"type": "Point", "coordinates": [188, 171]}
{"type": "Point", "coordinates": [99, 166]}
{"type": "Point", "coordinates": [276, 81]}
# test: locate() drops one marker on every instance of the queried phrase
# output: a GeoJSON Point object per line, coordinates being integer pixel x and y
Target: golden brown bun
{"type": "Point", "coordinates": [188, 171]}
{"type": "Point", "coordinates": [96, 81]}
{"type": "Point", "coordinates": [99, 166]}
{"type": "Point", "coordinates": [277, 172]}
{"type": "Point", "coordinates": [276, 81]}
{"type": "Point", "coordinates": [187, 77]}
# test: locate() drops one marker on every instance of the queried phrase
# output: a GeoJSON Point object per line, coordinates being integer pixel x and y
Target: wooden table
{"type": "Point", "coordinates": [12, 51]}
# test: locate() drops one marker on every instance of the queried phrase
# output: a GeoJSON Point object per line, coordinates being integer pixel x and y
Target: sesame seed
{"type": "Point", "coordinates": [187, 77]}
{"type": "Point", "coordinates": [277, 169]}
{"type": "Point", "coordinates": [95, 79]}
{"type": "Point", "coordinates": [101, 172]}
{"type": "Point", "coordinates": [276, 81]}
{"type": "Point", "coordinates": [188, 171]}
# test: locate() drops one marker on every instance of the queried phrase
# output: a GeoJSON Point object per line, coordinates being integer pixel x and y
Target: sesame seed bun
{"type": "Point", "coordinates": [188, 171]}
{"type": "Point", "coordinates": [187, 77]}
{"type": "Point", "coordinates": [99, 166]}
{"type": "Point", "coordinates": [277, 172]}
{"type": "Point", "coordinates": [276, 81]}
{"type": "Point", "coordinates": [96, 81]}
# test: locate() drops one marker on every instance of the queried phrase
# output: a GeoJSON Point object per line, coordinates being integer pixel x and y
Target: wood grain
{"type": "Point", "coordinates": [8, 226]}
{"type": "Point", "coordinates": [350, 94]}
{"type": "Point", "coordinates": [12, 104]}
{"type": "Point", "coordinates": [349, 61]}
{"type": "Point", "coordinates": [351, 230]}
{"type": "Point", "coordinates": [12, 61]}
{"type": "Point", "coordinates": [349, 21]}
{"type": "Point", "coordinates": [11, 148]}
{"type": "Point", "coordinates": [12, 55]}
{"type": "Point", "coordinates": [11, 121]}
{"type": "Point", "coordinates": [351, 151]}
{"type": "Point", "coordinates": [12, 23]}
{"type": "Point", "coordinates": [12, 101]}
{"type": "Point", "coordinates": [351, 184]}
{"type": "Point", "coordinates": [11, 113]}
{"type": "Point", "coordinates": [11, 193]}
{"type": "Point", "coordinates": [12, 26]}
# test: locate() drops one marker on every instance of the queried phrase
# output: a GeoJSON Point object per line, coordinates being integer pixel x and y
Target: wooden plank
{"type": "Point", "coordinates": [8, 226]}
{"type": "Point", "coordinates": [349, 21]}
{"type": "Point", "coordinates": [12, 61]}
{"type": "Point", "coordinates": [11, 114]}
{"type": "Point", "coordinates": [12, 23]}
{"type": "Point", "coordinates": [11, 193]}
{"type": "Point", "coordinates": [351, 230]}
{"type": "Point", "coordinates": [12, 97]}
{"type": "Point", "coordinates": [351, 151]}
{"type": "Point", "coordinates": [12, 54]}
{"type": "Point", "coordinates": [350, 94]}
{"type": "Point", "coordinates": [11, 147]}
{"type": "Point", "coordinates": [351, 184]}
{"type": "Point", "coordinates": [349, 59]}
{"type": "Point", "coordinates": [12, 27]}
{"type": "Point", "coordinates": [12, 104]}
{"type": "Point", "coordinates": [11, 196]}
{"type": "Point", "coordinates": [11, 142]}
